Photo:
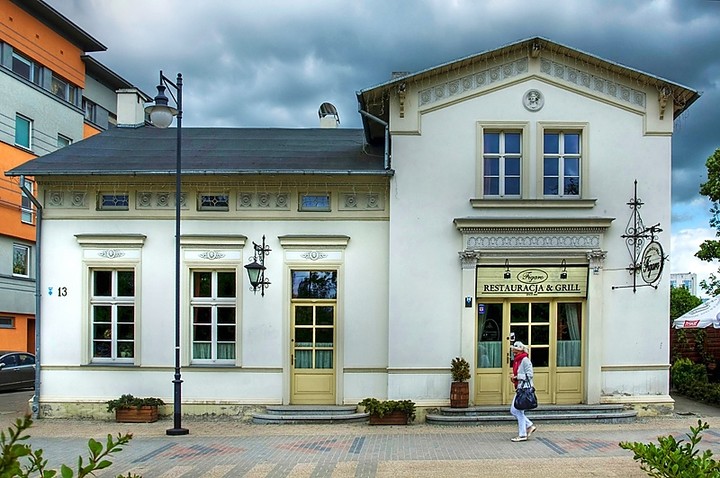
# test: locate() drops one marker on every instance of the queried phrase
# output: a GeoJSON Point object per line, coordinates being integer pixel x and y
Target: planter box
{"type": "Point", "coordinates": [392, 418]}
{"type": "Point", "coordinates": [147, 414]}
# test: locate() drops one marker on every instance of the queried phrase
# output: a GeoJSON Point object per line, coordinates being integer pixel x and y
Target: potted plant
{"type": "Point", "coordinates": [129, 409]}
{"type": "Point", "coordinates": [459, 388]}
{"type": "Point", "coordinates": [389, 412]}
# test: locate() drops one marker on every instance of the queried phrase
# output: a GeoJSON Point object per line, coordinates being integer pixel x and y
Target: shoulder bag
{"type": "Point", "coordinates": [525, 398]}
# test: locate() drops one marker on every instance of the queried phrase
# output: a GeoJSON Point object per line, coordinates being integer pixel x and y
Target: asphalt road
{"type": "Point", "coordinates": [14, 404]}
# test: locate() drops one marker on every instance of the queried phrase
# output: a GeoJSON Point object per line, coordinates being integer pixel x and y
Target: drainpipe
{"type": "Point", "coordinates": [387, 133]}
{"type": "Point", "coordinates": [38, 227]}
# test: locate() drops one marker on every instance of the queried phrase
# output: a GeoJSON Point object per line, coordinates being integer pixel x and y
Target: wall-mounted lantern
{"type": "Point", "coordinates": [563, 272]}
{"type": "Point", "coordinates": [507, 275]}
{"type": "Point", "coordinates": [256, 268]}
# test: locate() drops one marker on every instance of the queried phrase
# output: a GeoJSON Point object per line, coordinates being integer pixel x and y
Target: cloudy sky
{"type": "Point", "coordinates": [273, 62]}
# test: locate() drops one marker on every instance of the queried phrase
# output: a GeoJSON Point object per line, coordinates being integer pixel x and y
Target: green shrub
{"type": "Point", "coordinates": [460, 370]}
{"type": "Point", "coordinates": [13, 451]}
{"type": "Point", "coordinates": [128, 401]}
{"type": "Point", "coordinates": [380, 408]}
{"type": "Point", "coordinates": [686, 374]}
{"type": "Point", "coordinates": [675, 459]}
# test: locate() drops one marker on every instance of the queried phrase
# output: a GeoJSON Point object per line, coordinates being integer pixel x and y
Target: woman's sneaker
{"type": "Point", "coordinates": [518, 438]}
{"type": "Point", "coordinates": [531, 430]}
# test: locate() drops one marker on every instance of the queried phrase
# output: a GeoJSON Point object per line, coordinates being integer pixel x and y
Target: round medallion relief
{"type": "Point", "coordinates": [533, 100]}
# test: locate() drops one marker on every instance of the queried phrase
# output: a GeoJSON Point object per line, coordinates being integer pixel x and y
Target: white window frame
{"type": "Point", "coordinates": [114, 301]}
{"type": "Point", "coordinates": [29, 122]}
{"type": "Point", "coordinates": [26, 252]}
{"type": "Point", "coordinates": [503, 127]}
{"type": "Point", "coordinates": [584, 157]}
{"type": "Point", "coordinates": [110, 252]}
{"type": "Point", "coordinates": [27, 208]}
{"type": "Point", "coordinates": [63, 141]}
{"type": "Point", "coordinates": [502, 156]}
{"type": "Point", "coordinates": [214, 303]}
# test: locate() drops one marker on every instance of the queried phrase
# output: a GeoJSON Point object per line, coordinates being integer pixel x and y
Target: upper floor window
{"type": "Point", "coordinates": [213, 202]}
{"type": "Point", "coordinates": [26, 209]}
{"type": "Point", "coordinates": [112, 315]}
{"type": "Point", "coordinates": [502, 157]}
{"type": "Point", "coordinates": [314, 202]}
{"type": "Point", "coordinates": [562, 156]}
{"type": "Point", "coordinates": [63, 141]}
{"type": "Point", "coordinates": [21, 260]}
{"type": "Point", "coordinates": [27, 68]}
{"type": "Point", "coordinates": [63, 90]}
{"type": "Point", "coordinates": [23, 131]}
{"type": "Point", "coordinates": [90, 109]}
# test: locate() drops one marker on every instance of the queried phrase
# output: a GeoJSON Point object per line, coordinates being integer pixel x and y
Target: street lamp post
{"type": "Point", "coordinates": [161, 115]}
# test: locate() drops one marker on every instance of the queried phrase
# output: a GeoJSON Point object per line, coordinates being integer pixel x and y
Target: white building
{"type": "Point", "coordinates": [685, 279]}
{"type": "Point", "coordinates": [484, 197]}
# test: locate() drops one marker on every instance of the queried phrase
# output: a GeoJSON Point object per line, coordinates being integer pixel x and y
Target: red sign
{"type": "Point", "coordinates": [692, 323]}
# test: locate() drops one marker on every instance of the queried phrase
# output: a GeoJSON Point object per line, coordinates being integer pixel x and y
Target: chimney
{"type": "Point", "coordinates": [131, 107]}
{"type": "Point", "coordinates": [329, 117]}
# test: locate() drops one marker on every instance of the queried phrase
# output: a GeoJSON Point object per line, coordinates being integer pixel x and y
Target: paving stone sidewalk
{"type": "Point", "coordinates": [231, 448]}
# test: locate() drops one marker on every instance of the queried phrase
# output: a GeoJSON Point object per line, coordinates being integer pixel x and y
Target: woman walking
{"type": "Point", "coordinates": [521, 376]}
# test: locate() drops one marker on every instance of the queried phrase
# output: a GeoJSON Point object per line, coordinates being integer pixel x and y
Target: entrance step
{"type": "Point", "coordinates": [299, 414]}
{"type": "Point", "coordinates": [498, 415]}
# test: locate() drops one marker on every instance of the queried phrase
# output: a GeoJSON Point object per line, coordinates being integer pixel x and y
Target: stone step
{"type": "Point", "coordinates": [318, 414]}
{"type": "Point", "coordinates": [547, 413]}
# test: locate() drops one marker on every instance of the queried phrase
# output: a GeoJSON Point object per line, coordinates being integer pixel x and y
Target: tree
{"type": "Point", "coordinates": [710, 249]}
{"type": "Point", "coordinates": [681, 301]}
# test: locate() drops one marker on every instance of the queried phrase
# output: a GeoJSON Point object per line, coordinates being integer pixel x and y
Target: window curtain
{"type": "Point", "coordinates": [202, 351]}
{"type": "Point", "coordinates": [569, 351]}
{"type": "Point", "coordinates": [226, 351]}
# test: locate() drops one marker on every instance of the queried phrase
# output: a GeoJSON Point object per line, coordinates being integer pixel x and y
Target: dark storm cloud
{"type": "Point", "coordinates": [272, 63]}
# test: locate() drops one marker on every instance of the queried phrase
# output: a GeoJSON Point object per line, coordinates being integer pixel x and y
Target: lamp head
{"type": "Point", "coordinates": [254, 269]}
{"type": "Point", "coordinates": [161, 115]}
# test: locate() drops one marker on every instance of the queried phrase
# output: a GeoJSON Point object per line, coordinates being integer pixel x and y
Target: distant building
{"type": "Point", "coordinates": [685, 279]}
{"type": "Point", "coordinates": [53, 95]}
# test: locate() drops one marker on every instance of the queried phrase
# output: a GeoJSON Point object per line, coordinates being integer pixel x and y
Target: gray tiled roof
{"type": "Point", "coordinates": [148, 150]}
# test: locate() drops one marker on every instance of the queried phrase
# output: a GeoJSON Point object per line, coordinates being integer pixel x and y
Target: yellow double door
{"type": "Point", "coordinates": [553, 331]}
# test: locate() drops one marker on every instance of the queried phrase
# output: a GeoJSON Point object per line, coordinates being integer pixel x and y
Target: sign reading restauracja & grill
{"type": "Point", "coordinates": [519, 280]}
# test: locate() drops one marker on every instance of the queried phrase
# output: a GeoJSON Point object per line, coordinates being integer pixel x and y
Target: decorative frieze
{"type": "Point", "coordinates": [211, 255]}
{"type": "Point", "coordinates": [592, 83]}
{"type": "Point", "coordinates": [158, 200]}
{"type": "Point", "coordinates": [361, 201]}
{"type": "Point", "coordinates": [473, 82]}
{"type": "Point", "coordinates": [263, 200]}
{"type": "Point", "coordinates": [111, 253]}
{"type": "Point", "coordinates": [66, 199]}
{"type": "Point", "coordinates": [314, 255]}
{"type": "Point", "coordinates": [549, 241]}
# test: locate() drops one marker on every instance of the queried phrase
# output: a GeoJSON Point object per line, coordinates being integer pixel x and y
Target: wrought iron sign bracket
{"type": "Point", "coordinates": [646, 253]}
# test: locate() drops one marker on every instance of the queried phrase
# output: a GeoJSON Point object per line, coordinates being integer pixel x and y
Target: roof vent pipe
{"type": "Point", "coordinates": [387, 133]}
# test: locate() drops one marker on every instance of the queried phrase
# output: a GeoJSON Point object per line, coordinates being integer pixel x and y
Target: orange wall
{"type": "Point", "coordinates": [11, 196]}
{"type": "Point", "coordinates": [89, 130]}
{"type": "Point", "coordinates": [20, 338]}
{"type": "Point", "coordinates": [39, 42]}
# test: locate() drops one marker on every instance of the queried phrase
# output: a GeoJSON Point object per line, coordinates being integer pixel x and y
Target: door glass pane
{"type": "Point", "coordinates": [490, 335]}
{"type": "Point", "coordinates": [303, 359]}
{"type": "Point", "coordinates": [569, 335]}
{"type": "Point", "coordinates": [519, 312]}
{"type": "Point", "coordinates": [540, 334]}
{"type": "Point", "coordinates": [540, 357]}
{"type": "Point", "coordinates": [324, 315]}
{"type": "Point", "coordinates": [323, 337]}
{"type": "Point", "coordinates": [541, 312]}
{"type": "Point", "coordinates": [303, 315]}
{"type": "Point", "coordinates": [303, 337]}
{"type": "Point", "coordinates": [521, 333]}
{"type": "Point", "coordinates": [323, 359]}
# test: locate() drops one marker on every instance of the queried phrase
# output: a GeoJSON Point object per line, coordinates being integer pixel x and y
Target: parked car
{"type": "Point", "coordinates": [17, 370]}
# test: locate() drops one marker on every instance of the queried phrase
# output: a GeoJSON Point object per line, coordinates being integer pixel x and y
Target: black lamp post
{"type": "Point", "coordinates": [161, 115]}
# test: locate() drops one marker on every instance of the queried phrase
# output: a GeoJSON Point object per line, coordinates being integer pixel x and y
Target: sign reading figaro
{"type": "Point", "coordinates": [651, 263]}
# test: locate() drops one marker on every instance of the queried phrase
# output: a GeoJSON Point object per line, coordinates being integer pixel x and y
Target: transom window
{"type": "Point", "coordinates": [23, 131]}
{"type": "Point", "coordinates": [213, 202]}
{"type": "Point", "coordinates": [112, 310]}
{"type": "Point", "coordinates": [117, 202]}
{"type": "Point", "coordinates": [502, 156]}
{"type": "Point", "coordinates": [214, 320]}
{"type": "Point", "coordinates": [315, 202]}
{"type": "Point", "coordinates": [561, 163]}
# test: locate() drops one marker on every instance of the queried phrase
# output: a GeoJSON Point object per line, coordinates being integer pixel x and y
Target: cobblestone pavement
{"type": "Point", "coordinates": [230, 448]}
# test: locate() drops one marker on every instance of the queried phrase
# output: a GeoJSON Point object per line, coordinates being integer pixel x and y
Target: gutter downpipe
{"type": "Point", "coordinates": [387, 133]}
{"type": "Point", "coordinates": [38, 230]}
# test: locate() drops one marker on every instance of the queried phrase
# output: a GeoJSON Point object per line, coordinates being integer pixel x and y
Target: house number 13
{"type": "Point", "coordinates": [61, 291]}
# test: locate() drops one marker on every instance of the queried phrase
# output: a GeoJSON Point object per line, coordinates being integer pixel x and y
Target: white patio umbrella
{"type": "Point", "coordinates": [702, 316]}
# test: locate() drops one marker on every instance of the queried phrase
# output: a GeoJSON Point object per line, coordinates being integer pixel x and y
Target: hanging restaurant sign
{"type": "Point", "coordinates": [651, 262]}
{"type": "Point", "coordinates": [534, 281]}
